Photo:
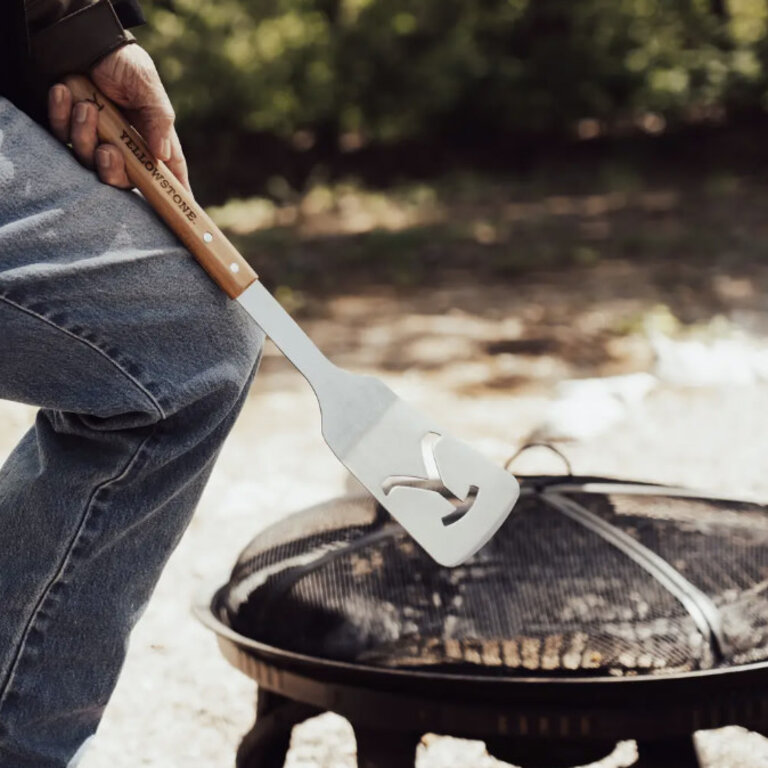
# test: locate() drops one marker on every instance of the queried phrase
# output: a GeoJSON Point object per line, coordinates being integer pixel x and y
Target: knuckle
{"type": "Point", "coordinates": [167, 116]}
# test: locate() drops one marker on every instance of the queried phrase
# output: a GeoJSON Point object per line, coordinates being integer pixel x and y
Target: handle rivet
{"type": "Point", "coordinates": [207, 237]}
{"type": "Point", "coordinates": [234, 267]}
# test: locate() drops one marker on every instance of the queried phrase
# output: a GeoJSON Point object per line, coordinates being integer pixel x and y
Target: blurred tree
{"type": "Point", "coordinates": [324, 71]}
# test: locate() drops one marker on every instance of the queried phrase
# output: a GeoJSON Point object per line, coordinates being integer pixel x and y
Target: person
{"type": "Point", "coordinates": [138, 362]}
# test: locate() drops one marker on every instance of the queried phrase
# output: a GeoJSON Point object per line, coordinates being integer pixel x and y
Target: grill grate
{"type": "Point", "coordinates": [549, 595]}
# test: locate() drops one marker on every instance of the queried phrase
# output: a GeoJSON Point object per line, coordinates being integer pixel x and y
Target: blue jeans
{"type": "Point", "coordinates": [139, 365]}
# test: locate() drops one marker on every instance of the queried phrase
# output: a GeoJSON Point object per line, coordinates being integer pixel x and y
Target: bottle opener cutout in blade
{"type": "Point", "coordinates": [391, 448]}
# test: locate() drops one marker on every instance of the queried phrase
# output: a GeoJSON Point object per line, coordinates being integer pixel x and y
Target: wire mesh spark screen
{"type": "Point", "coordinates": [586, 577]}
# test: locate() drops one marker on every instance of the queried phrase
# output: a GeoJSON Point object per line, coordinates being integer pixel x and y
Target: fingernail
{"type": "Point", "coordinates": [103, 158]}
{"type": "Point", "coordinates": [81, 112]}
{"type": "Point", "coordinates": [58, 95]}
{"type": "Point", "coordinates": [165, 150]}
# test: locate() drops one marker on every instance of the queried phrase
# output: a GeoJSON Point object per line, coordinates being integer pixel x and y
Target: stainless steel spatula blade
{"type": "Point", "coordinates": [389, 447]}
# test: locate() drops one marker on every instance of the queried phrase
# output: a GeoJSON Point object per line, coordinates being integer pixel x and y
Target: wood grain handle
{"type": "Point", "coordinates": [171, 201]}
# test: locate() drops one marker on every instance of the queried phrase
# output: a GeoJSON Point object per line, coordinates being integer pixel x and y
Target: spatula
{"type": "Point", "coordinates": [407, 462]}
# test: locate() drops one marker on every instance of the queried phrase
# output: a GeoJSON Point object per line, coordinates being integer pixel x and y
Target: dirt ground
{"type": "Point", "coordinates": [486, 361]}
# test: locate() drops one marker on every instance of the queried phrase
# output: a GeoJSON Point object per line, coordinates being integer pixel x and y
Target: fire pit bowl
{"type": "Point", "coordinates": [602, 610]}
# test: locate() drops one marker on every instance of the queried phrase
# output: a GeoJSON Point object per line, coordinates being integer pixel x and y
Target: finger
{"type": "Point", "coordinates": [60, 111]}
{"type": "Point", "coordinates": [178, 163]}
{"type": "Point", "coordinates": [156, 125]}
{"type": "Point", "coordinates": [83, 132]}
{"type": "Point", "coordinates": [110, 166]}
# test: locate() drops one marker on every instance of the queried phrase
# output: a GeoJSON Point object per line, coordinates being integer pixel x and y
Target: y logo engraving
{"type": "Point", "coordinates": [455, 505]}
{"type": "Point", "coordinates": [95, 100]}
{"type": "Point", "coordinates": [486, 492]}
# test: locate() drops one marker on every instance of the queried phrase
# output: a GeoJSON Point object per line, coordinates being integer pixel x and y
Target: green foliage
{"type": "Point", "coordinates": [389, 70]}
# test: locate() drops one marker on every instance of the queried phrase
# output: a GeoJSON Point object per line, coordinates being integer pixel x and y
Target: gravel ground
{"type": "Point", "coordinates": [179, 704]}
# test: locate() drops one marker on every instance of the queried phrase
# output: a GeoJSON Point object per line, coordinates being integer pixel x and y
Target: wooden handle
{"type": "Point", "coordinates": [172, 202]}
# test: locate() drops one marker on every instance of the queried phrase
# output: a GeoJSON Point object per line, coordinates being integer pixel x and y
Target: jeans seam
{"type": "Point", "coordinates": [86, 517]}
{"type": "Point", "coordinates": [144, 391]}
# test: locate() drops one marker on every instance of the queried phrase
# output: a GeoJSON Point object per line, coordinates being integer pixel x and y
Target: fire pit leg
{"type": "Point", "coordinates": [266, 744]}
{"type": "Point", "coordinates": [385, 749]}
{"type": "Point", "coordinates": [672, 753]}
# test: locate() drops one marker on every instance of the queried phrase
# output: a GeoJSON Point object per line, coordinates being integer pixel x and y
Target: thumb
{"type": "Point", "coordinates": [155, 123]}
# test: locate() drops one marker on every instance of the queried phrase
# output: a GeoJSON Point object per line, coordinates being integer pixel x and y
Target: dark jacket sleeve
{"type": "Point", "coordinates": [71, 35]}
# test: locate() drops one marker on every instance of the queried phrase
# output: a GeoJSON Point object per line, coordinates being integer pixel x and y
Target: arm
{"type": "Point", "coordinates": [71, 35]}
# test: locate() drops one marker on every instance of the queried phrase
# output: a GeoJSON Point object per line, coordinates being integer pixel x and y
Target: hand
{"type": "Point", "coordinates": [129, 78]}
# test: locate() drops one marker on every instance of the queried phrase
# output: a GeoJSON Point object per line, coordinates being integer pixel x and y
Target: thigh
{"type": "Point", "coordinates": [101, 309]}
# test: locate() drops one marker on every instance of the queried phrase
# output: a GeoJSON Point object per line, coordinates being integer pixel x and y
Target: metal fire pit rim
{"type": "Point", "coordinates": [205, 610]}
{"type": "Point", "coordinates": [525, 709]}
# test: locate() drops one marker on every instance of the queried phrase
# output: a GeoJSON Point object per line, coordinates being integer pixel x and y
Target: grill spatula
{"type": "Point", "coordinates": [392, 449]}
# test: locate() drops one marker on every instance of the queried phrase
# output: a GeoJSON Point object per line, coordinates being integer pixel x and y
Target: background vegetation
{"type": "Point", "coordinates": [347, 73]}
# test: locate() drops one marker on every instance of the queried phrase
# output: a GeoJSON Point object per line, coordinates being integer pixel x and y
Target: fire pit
{"type": "Point", "coordinates": [602, 610]}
